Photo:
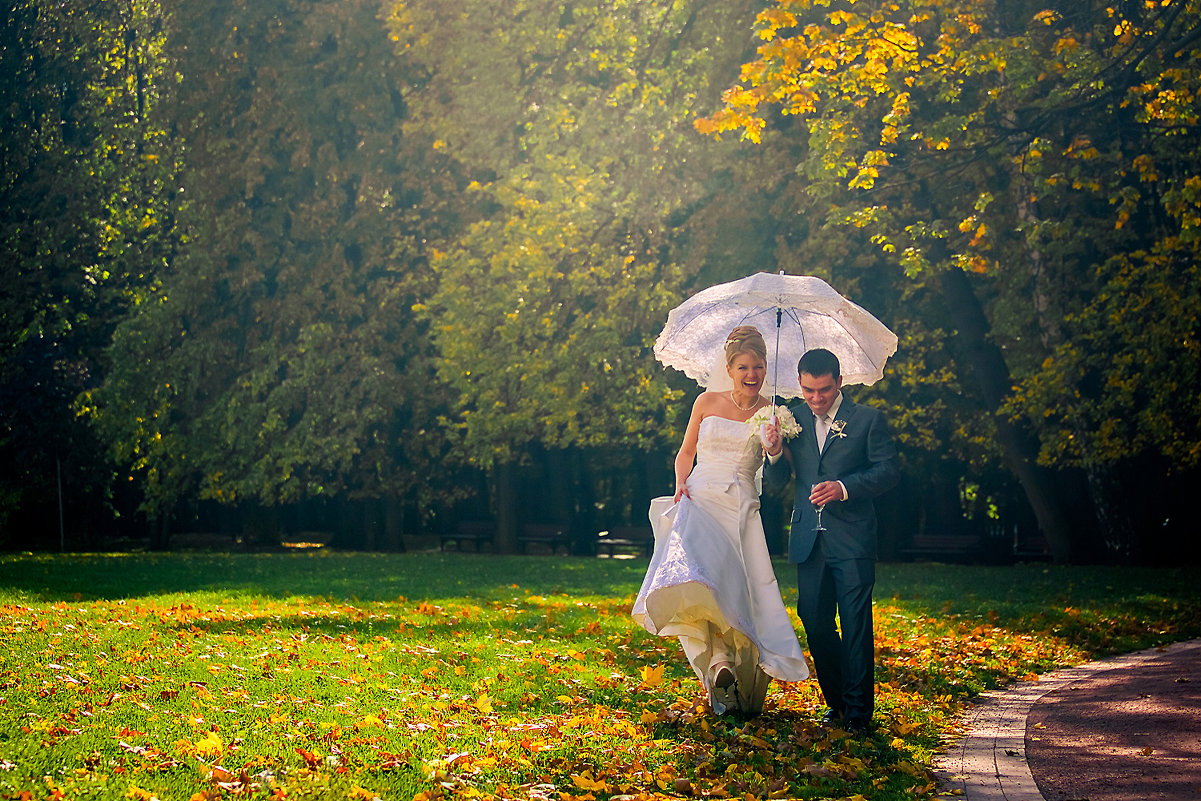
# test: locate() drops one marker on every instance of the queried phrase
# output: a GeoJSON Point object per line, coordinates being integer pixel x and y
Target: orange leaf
{"type": "Point", "coordinates": [310, 759]}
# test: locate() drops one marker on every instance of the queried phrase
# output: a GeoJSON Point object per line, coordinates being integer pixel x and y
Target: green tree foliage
{"type": "Point", "coordinates": [543, 330]}
{"type": "Point", "coordinates": [281, 359]}
{"type": "Point", "coordinates": [86, 221]}
{"type": "Point", "coordinates": [1037, 163]}
{"type": "Point", "coordinates": [575, 118]}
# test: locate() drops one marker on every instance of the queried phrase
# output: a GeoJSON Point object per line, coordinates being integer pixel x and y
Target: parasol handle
{"type": "Point", "coordinates": [775, 363]}
{"type": "Point", "coordinates": [775, 371]}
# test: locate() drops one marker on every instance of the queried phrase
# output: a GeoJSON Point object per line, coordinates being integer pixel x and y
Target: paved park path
{"type": "Point", "coordinates": [1120, 729]}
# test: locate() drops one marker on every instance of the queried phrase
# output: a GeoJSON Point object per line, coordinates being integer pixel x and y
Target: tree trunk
{"type": "Point", "coordinates": [504, 480]}
{"type": "Point", "coordinates": [394, 525]}
{"type": "Point", "coordinates": [1116, 530]}
{"type": "Point", "coordinates": [583, 520]}
{"type": "Point", "coordinates": [372, 524]}
{"type": "Point", "coordinates": [260, 526]}
{"type": "Point", "coordinates": [160, 532]}
{"type": "Point", "coordinates": [556, 506]}
{"type": "Point", "coordinates": [348, 525]}
{"type": "Point", "coordinates": [994, 381]}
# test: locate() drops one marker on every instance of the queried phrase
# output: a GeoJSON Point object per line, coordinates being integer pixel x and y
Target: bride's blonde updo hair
{"type": "Point", "coordinates": [745, 339]}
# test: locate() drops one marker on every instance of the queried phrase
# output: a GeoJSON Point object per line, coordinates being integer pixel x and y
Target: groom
{"type": "Point", "coordinates": [845, 453]}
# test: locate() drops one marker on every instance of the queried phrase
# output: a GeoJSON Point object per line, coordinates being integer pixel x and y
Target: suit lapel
{"type": "Point", "coordinates": [846, 411]}
{"type": "Point", "coordinates": [806, 444]}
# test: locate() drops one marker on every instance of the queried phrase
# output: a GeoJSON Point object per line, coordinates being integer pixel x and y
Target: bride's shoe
{"type": "Point", "coordinates": [724, 677]}
{"type": "Point", "coordinates": [725, 691]}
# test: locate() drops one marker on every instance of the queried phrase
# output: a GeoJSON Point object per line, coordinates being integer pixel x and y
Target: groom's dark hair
{"type": "Point", "coordinates": [819, 362]}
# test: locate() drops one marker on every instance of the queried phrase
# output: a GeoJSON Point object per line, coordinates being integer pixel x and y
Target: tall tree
{"type": "Point", "coordinates": [281, 359]}
{"type": "Point", "coordinates": [86, 220]}
{"type": "Point", "coordinates": [574, 119]}
{"type": "Point", "coordinates": [1026, 160]}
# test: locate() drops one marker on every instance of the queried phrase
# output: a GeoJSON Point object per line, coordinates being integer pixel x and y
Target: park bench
{"type": "Point", "coordinates": [944, 547]}
{"type": "Point", "coordinates": [474, 531]}
{"type": "Point", "coordinates": [1032, 548]}
{"type": "Point", "coordinates": [550, 535]}
{"type": "Point", "coordinates": [625, 539]}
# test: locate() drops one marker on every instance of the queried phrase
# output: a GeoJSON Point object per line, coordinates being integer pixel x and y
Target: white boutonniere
{"type": "Point", "coordinates": [789, 427]}
{"type": "Point", "coordinates": [836, 429]}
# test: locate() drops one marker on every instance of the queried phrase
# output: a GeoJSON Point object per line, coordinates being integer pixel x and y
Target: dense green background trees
{"type": "Point", "coordinates": [281, 360]}
{"type": "Point", "coordinates": [381, 265]}
{"type": "Point", "coordinates": [575, 121]}
{"type": "Point", "coordinates": [86, 224]}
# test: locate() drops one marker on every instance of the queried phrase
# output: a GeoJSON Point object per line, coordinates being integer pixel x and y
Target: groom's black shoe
{"type": "Point", "coordinates": [858, 726]}
{"type": "Point", "coordinates": [832, 718]}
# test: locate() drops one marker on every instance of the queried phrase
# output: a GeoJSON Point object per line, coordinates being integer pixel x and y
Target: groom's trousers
{"type": "Point", "coordinates": [845, 664]}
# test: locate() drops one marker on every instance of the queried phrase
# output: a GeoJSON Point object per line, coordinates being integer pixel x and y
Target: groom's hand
{"type": "Point", "coordinates": [826, 492]}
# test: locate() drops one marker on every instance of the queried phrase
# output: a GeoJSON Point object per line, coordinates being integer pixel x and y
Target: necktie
{"type": "Point", "coordinates": [823, 429]}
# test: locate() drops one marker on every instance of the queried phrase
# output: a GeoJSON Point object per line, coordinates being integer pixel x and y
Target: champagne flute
{"type": "Point", "coordinates": [819, 528]}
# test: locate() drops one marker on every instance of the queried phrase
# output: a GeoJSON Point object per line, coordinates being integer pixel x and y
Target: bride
{"type": "Point", "coordinates": [710, 580]}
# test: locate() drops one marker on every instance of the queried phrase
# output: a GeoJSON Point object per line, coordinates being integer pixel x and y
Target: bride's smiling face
{"type": "Point", "coordinates": [747, 371]}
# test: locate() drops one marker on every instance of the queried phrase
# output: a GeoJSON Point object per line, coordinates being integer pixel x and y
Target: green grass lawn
{"type": "Point", "coordinates": [329, 675]}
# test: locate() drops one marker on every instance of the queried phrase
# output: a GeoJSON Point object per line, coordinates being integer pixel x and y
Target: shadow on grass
{"type": "Point", "coordinates": [1102, 609]}
{"type": "Point", "coordinates": [332, 575]}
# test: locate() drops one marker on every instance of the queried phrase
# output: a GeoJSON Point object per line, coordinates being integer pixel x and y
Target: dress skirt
{"type": "Point", "coordinates": [711, 582]}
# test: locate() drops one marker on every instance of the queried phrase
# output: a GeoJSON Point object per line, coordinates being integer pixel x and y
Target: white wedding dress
{"type": "Point", "coordinates": [710, 580]}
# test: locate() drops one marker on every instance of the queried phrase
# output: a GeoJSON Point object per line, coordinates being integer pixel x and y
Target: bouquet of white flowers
{"type": "Point", "coordinates": [789, 427]}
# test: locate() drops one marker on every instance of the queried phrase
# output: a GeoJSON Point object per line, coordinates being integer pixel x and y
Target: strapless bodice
{"type": "Point", "coordinates": [727, 451]}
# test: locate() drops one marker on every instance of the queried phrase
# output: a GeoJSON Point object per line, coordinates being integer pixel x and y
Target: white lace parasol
{"type": "Point", "coordinates": [810, 314]}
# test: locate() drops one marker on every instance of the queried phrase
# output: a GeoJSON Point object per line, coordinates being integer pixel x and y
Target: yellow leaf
{"type": "Point", "coordinates": [139, 794]}
{"type": "Point", "coordinates": [585, 781]}
{"type": "Point", "coordinates": [484, 704]}
{"type": "Point", "coordinates": [211, 745]}
{"type": "Point", "coordinates": [652, 676]}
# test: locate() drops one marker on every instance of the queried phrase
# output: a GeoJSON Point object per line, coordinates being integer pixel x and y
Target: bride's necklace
{"type": "Point", "coordinates": [742, 408]}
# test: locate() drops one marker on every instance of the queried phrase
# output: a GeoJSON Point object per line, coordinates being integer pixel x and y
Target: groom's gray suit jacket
{"type": "Point", "coordinates": [864, 459]}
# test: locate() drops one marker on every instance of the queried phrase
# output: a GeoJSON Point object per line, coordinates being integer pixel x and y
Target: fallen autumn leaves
{"type": "Point", "coordinates": [494, 690]}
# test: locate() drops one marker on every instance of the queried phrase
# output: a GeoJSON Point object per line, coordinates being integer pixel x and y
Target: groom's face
{"type": "Point", "coordinates": [820, 391]}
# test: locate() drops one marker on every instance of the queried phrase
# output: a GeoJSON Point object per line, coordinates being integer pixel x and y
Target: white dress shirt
{"type": "Point", "coordinates": [821, 427]}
